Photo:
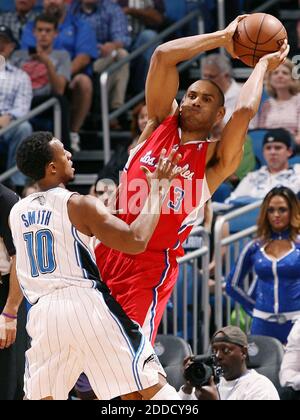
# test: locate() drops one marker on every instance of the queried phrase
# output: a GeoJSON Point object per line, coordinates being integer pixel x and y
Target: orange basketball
{"type": "Point", "coordinates": [257, 35]}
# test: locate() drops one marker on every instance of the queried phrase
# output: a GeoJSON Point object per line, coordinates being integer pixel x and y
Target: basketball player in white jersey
{"type": "Point", "coordinates": [74, 323]}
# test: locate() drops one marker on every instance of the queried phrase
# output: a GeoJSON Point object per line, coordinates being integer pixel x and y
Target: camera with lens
{"type": "Point", "coordinates": [199, 372]}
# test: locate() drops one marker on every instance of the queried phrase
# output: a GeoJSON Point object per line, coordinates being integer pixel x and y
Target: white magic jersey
{"type": "Point", "coordinates": [51, 253]}
{"type": "Point", "coordinates": [75, 326]}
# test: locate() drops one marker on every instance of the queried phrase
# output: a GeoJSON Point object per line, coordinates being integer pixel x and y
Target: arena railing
{"type": "Point", "coordinates": [53, 102]}
{"type": "Point", "coordinates": [224, 246]}
{"type": "Point", "coordinates": [187, 315]}
{"type": "Point", "coordinates": [221, 14]}
{"type": "Point", "coordinates": [106, 116]}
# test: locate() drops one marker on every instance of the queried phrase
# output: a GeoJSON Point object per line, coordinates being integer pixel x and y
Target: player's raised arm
{"type": "Point", "coordinates": [90, 216]}
{"type": "Point", "coordinates": [163, 80]}
{"type": "Point", "coordinates": [230, 149]}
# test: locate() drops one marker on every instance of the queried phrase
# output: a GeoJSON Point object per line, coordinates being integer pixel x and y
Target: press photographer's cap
{"type": "Point", "coordinates": [232, 335]}
{"type": "Point", "coordinates": [278, 135]}
{"type": "Point", "coordinates": [7, 33]}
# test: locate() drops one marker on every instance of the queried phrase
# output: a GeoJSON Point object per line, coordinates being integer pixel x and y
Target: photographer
{"type": "Point", "coordinates": [228, 365]}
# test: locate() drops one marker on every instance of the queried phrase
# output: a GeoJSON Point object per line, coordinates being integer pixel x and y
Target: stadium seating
{"type": "Point", "coordinates": [265, 356]}
{"type": "Point", "coordinates": [294, 160]}
{"type": "Point", "coordinates": [171, 352]}
{"type": "Point", "coordinates": [244, 221]}
{"type": "Point", "coordinates": [257, 137]}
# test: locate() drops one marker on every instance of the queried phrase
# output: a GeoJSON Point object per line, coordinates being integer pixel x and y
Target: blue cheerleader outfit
{"type": "Point", "coordinates": [273, 299]}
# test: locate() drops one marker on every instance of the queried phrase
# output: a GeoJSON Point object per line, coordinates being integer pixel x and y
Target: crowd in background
{"type": "Point", "coordinates": [58, 48]}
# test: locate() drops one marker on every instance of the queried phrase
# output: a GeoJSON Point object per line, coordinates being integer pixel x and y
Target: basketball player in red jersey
{"type": "Point", "coordinates": [142, 284]}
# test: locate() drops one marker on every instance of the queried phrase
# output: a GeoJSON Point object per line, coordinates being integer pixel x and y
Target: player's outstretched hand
{"type": "Point", "coordinates": [166, 169]}
{"type": "Point", "coordinates": [229, 32]}
{"type": "Point", "coordinates": [276, 59]}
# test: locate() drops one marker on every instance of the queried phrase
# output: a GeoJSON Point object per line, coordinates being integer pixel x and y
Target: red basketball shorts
{"type": "Point", "coordinates": [142, 284]}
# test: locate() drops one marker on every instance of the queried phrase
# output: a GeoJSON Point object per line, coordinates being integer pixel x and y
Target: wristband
{"type": "Point", "coordinates": [9, 316]}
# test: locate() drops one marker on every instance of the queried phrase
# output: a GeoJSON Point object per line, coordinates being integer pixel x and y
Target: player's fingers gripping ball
{"type": "Point", "coordinates": [257, 35]}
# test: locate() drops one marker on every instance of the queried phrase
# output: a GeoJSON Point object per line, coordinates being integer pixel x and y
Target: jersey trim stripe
{"type": "Point", "coordinates": [194, 216]}
{"type": "Point", "coordinates": [127, 339]}
{"type": "Point", "coordinates": [26, 296]}
{"type": "Point", "coordinates": [183, 228]}
{"type": "Point", "coordinates": [177, 245]}
{"type": "Point", "coordinates": [77, 244]}
{"type": "Point", "coordinates": [136, 361]}
{"type": "Point", "coordinates": [155, 292]}
{"type": "Point", "coordinates": [130, 330]}
{"type": "Point", "coordinates": [132, 154]}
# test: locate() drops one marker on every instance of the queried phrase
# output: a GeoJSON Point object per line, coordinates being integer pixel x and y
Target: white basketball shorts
{"type": "Point", "coordinates": [75, 330]}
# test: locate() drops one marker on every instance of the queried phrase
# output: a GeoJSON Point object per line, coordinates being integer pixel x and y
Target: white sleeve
{"type": "Point", "coordinates": [184, 396]}
{"type": "Point", "coordinates": [244, 189]}
{"type": "Point", "coordinates": [290, 367]}
{"type": "Point", "coordinates": [296, 186]}
{"type": "Point", "coordinates": [262, 389]}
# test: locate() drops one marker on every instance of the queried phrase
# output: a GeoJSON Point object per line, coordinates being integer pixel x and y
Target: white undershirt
{"type": "Point", "coordinates": [251, 386]}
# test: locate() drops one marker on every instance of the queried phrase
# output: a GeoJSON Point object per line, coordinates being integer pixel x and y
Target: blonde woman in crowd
{"type": "Point", "coordinates": [282, 109]}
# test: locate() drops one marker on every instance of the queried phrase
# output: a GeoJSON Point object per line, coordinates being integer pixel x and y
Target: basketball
{"type": "Point", "coordinates": [257, 35]}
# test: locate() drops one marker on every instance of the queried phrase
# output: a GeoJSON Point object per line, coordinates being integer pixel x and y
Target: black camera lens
{"type": "Point", "coordinates": [201, 370]}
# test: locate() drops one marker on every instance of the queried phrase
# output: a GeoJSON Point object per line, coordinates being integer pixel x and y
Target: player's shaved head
{"type": "Point", "coordinates": [202, 107]}
{"type": "Point", "coordinates": [215, 89]}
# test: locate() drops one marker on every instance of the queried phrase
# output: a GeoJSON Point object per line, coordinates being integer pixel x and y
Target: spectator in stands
{"type": "Point", "coordinates": [218, 69]}
{"type": "Point", "coordinates": [290, 368]}
{"type": "Point", "coordinates": [13, 339]}
{"type": "Point", "coordinates": [230, 347]}
{"type": "Point", "coordinates": [78, 38]}
{"type": "Point", "coordinates": [273, 297]}
{"type": "Point", "coordinates": [49, 71]}
{"type": "Point", "coordinates": [277, 149]}
{"type": "Point", "coordinates": [146, 19]}
{"type": "Point", "coordinates": [16, 20]}
{"type": "Point", "coordinates": [15, 100]}
{"type": "Point", "coordinates": [282, 110]}
{"type": "Point", "coordinates": [111, 26]}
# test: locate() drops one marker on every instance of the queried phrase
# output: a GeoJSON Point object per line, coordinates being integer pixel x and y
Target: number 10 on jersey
{"type": "Point", "coordinates": [40, 250]}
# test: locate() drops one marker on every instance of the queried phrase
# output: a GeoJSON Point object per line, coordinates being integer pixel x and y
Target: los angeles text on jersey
{"type": "Point", "coordinates": [36, 217]}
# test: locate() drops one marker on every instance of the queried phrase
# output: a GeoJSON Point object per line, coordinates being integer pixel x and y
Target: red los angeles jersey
{"type": "Point", "coordinates": [188, 192]}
